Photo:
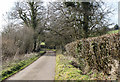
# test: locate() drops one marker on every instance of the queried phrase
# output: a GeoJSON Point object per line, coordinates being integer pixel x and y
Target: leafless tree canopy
{"type": "Point", "coordinates": [57, 24]}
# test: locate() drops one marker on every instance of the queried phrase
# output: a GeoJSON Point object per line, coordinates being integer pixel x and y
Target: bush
{"type": "Point", "coordinates": [97, 52]}
{"type": "Point", "coordinates": [16, 41]}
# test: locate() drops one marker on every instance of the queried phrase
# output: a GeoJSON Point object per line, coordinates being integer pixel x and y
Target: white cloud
{"type": "Point", "coordinates": [110, 0]}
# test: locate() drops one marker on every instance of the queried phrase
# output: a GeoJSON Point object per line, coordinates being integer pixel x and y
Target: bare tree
{"type": "Point", "coordinates": [31, 14]}
{"type": "Point", "coordinates": [71, 21]}
{"type": "Point", "coordinates": [17, 40]}
{"type": "Point", "coordinates": [64, 21]}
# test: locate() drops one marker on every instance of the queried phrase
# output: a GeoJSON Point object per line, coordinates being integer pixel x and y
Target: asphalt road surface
{"type": "Point", "coordinates": [41, 69]}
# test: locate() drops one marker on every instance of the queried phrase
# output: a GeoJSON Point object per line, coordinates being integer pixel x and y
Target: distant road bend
{"type": "Point", "coordinates": [41, 69]}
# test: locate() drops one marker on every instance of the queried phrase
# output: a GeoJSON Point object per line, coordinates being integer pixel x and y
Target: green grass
{"type": "Point", "coordinates": [114, 31]}
{"type": "Point", "coordinates": [19, 66]}
{"type": "Point", "coordinates": [51, 49]}
{"type": "Point", "coordinates": [42, 43]}
{"type": "Point", "coordinates": [65, 71]}
{"type": "Point", "coordinates": [41, 52]}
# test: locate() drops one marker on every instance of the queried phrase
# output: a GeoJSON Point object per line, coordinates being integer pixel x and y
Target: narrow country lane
{"type": "Point", "coordinates": [42, 69]}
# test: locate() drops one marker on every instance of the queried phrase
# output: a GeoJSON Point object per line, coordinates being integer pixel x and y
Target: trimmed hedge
{"type": "Point", "coordinates": [19, 66]}
{"type": "Point", "coordinates": [97, 52]}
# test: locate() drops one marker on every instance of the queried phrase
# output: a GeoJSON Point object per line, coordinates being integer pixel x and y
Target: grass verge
{"type": "Point", "coordinates": [65, 71]}
{"type": "Point", "coordinates": [19, 66]}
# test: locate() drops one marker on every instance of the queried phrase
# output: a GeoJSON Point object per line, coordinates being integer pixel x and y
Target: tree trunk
{"type": "Point", "coordinates": [34, 47]}
{"type": "Point", "coordinates": [85, 26]}
{"type": "Point", "coordinates": [119, 72]}
{"type": "Point", "coordinates": [86, 9]}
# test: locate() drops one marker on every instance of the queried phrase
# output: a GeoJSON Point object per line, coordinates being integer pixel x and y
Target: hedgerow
{"type": "Point", "coordinates": [97, 52]}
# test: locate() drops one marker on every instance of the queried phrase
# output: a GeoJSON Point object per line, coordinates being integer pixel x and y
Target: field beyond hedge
{"type": "Point", "coordinates": [113, 32]}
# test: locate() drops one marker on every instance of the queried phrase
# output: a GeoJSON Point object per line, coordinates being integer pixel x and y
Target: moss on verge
{"type": "Point", "coordinates": [65, 71]}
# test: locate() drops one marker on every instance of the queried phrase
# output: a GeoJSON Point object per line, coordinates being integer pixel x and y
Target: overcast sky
{"type": "Point", "coordinates": [6, 5]}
